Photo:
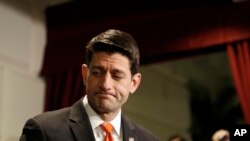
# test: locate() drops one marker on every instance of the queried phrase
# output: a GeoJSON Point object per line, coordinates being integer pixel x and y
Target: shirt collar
{"type": "Point", "coordinates": [95, 119]}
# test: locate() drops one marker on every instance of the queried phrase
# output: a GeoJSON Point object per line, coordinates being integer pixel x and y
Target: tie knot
{"type": "Point", "coordinates": [107, 127]}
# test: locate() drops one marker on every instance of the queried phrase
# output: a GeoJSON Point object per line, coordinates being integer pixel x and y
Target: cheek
{"type": "Point", "coordinates": [91, 83]}
{"type": "Point", "coordinates": [124, 89]}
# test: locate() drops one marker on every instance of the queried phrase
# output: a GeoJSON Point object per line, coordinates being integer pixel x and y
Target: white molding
{"type": "Point", "coordinates": [1, 99]}
{"type": "Point", "coordinates": [10, 63]}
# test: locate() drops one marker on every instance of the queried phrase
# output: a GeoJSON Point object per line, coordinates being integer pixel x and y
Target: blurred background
{"type": "Point", "coordinates": [194, 61]}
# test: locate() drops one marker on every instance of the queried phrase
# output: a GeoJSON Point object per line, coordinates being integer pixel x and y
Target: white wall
{"type": "Point", "coordinates": [22, 42]}
{"type": "Point", "coordinates": [161, 103]}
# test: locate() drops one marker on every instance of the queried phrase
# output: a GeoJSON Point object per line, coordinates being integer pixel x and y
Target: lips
{"type": "Point", "coordinates": [104, 93]}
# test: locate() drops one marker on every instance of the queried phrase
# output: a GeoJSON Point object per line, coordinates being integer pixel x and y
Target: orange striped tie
{"type": "Point", "coordinates": [107, 127]}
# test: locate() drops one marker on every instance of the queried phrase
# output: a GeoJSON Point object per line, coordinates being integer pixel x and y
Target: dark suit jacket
{"type": "Point", "coordinates": [72, 124]}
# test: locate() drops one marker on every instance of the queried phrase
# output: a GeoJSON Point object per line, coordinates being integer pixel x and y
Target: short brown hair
{"type": "Point", "coordinates": [112, 41]}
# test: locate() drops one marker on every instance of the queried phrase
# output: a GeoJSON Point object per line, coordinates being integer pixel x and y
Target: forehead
{"type": "Point", "coordinates": [115, 59]}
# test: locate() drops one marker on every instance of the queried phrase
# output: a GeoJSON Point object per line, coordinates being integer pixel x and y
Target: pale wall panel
{"type": "Point", "coordinates": [23, 98]}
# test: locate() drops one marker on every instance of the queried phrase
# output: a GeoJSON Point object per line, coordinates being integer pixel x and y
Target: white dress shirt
{"type": "Point", "coordinates": [96, 121]}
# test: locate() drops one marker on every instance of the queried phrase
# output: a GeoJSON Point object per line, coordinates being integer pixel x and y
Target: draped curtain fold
{"type": "Point", "coordinates": [239, 58]}
{"type": "Point", "coordinates": [63, 89]}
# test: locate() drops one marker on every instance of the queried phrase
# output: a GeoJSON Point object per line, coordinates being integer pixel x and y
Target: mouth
{"type": "Point", "coordinates": [103, 94]}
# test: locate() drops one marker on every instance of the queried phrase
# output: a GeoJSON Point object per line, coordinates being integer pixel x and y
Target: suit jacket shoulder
{"type": "Point", "coordinates": [72, 124]}
{"type": "Point", "coordinates": [69, 124]}
{"type": "Point", "coordinates": [134, 132]}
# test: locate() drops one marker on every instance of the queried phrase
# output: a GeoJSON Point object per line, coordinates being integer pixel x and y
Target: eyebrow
{"type": "Point", "coordinates": [119, 71]}
{"type": "Point", "coordinates": [113, 70]}
{"type": "Point", "coordinates": [96, 67]}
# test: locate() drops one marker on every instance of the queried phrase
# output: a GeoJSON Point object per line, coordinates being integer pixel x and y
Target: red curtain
{"type": "Point", "coordinates": [63, 89]}
{"type": "Point", "coordinates": [161, 34]}
{"type": "Point", "coordinates": [239, 56]}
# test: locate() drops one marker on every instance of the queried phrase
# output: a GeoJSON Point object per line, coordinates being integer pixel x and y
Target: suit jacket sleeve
{"type": "Point", "coordinates": [32, 131]}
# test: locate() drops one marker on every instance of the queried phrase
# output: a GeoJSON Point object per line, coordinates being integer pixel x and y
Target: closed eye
{"type": "Point", "coordinates": [118, 75]}
{"type": "Point", "coordinates": [96, 72]}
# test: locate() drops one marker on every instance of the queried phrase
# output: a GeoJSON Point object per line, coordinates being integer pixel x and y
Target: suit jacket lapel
{"type": "Point", "coordinates": [129, 132]}
{"type": "Point", "coordinates": [80, 124]}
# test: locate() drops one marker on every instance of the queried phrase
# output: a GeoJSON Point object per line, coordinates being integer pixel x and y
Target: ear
{"type": "Point", "coordinates": [84, 73]}
{"type": "Point", "coordinates": [136, 79]}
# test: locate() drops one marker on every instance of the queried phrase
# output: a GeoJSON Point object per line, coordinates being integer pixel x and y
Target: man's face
{"type": "Point", "coordinates": [108, 81]}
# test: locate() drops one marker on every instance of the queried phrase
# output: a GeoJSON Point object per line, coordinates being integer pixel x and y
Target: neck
{"type": "Point", "coordinates": [107, 117]}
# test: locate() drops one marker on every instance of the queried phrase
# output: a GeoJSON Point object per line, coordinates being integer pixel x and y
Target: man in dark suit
{"type": "Point", "coordinates": [110, 75]}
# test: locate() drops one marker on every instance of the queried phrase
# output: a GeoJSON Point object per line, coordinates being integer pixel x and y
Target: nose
{"type": "Point", "coordinates": [106, 82]}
